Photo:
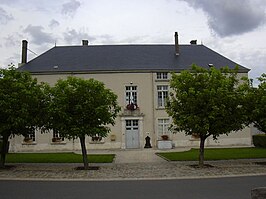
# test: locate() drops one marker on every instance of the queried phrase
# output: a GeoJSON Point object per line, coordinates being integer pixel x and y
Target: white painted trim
{"type": "Point", "coordinates": [123, 130]}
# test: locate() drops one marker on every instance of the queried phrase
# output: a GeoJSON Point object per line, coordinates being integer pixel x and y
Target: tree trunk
{"type": "Point", "coordinates": [84, 152]}
{"type": "Point", "coordinates": [4, 151]}
{"type": "Point", "coordinates": [201, 153]}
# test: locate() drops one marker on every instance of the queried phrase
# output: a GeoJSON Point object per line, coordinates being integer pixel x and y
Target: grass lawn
{"type": "Point", "coordinates": [216, 154]}
{"type": "Point", "coordinates": [56, 158]}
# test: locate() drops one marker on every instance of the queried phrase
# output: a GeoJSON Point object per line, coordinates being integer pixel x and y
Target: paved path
{"type": "Point", "coordinates": [136, 156]}
{"type": "Point", "coordinates": [135, 164]}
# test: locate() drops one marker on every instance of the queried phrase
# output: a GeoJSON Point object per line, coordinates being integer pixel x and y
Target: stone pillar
{"type": "Point", "coordinates": [258, 193]}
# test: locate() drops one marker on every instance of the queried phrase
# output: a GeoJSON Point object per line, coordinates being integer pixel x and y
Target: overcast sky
{"type": "Point", "coordinates": [233, 28]}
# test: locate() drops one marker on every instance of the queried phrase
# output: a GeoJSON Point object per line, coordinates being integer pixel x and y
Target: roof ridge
{"type": "Point", "coordinates": [106, 45]}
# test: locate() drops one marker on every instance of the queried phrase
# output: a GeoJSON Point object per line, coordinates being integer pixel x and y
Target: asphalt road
{"type": "Point", "coordinates": [215, 188]}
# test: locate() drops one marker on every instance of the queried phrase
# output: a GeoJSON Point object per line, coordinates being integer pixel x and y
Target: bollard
{"type": "Point", "coordinates": [258, 193]}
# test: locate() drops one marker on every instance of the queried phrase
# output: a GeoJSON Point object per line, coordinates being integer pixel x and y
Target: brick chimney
{"type": "Point", "coordinates": [176, 44]}
{"type": "Point", "coordinates": [85, 42]}
{"type": "Point", "coordinates": [24, 51]}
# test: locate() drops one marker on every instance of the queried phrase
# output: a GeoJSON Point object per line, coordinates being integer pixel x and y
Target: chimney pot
{"type": "Point", "coordinates": [85, 42]}
{"type": "Point", "coordinates": [176, 44]}
{"type": "Point", "coordinates": [24, 51]}
{"type": "Point", "coordinates": [193, 42]}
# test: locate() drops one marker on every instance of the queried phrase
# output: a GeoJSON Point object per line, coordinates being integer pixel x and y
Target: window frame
{"type": "Point", "coordinates": [132, 91]}
{"type": "Point", "coordinates": [165, 123]}
{"type": "Point", "coordinates": [162, 95]}
{"type": "Point", "coordinates": [162, 76]}
{"type": "Point", "coordinates": [57, 137]}
{"type": "Point", "coordinates": [30, 137]}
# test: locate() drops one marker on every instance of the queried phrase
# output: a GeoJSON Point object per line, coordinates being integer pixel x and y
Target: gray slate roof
{"type": "Point", "coordinates": [126, 58]}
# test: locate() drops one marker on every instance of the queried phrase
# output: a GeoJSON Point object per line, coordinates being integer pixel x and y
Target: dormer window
{"type": "Point", "coordinates": [162, 75]}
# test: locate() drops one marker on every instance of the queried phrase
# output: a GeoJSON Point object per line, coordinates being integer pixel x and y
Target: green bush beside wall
{"type": "Point", "coordinates": [259, 140]}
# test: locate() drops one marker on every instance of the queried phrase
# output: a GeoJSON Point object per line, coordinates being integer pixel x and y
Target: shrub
{"type": "Point", "coordinates": [259, 140]}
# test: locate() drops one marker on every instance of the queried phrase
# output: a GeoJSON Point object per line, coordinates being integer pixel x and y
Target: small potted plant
{"type": "Point", "coordinates": [27, 139]}
{"type": "Point", "coordinates": [165, 137]}
{"type": "Point", "coordinates": [132, 107]}
{"type": "Point", "coordinates": [56, 139]}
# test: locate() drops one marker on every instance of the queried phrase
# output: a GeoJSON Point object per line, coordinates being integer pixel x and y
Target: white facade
{"type": "Point", "coordinates": [149, 90]}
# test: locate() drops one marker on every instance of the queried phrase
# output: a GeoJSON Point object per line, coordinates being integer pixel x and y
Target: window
{"type": "Point", "coordinates": [163, 126]}
{"type": "Point", "coordinates": [96, 138]}
{"type": "Point", "coordinates": [162, 96]}
{"type": "Point", "coordinates": [131, 95]}
{"type": "Point", "coordinates": [57, 137]}
{"type": "Point", "coordinates": [163, 75]}
{"type": "Point", "coordinates": [132, 124]}
{"type": "Point", "coordinates": [30, 137]}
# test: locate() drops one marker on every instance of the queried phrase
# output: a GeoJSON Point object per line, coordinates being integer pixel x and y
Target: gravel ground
{"type": "Point", "coordinates": [150, 170]}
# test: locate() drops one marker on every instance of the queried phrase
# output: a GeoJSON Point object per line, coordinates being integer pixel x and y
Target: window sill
{"type": "Point", "coordinates": [58, 143]}
{"type": "Point", "coordinates": [162, 80]}
{"type": "Point", "coordinates": [160, 108]}
{"type": "Point", "coordinates": [96, 142]}
{"type": "Point", "coordinates": [194, 139]}
{"type": "Point", "coordinates": [29, 143]}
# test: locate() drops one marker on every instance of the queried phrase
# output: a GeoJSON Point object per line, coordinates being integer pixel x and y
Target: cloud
{"type": "Point", "coordinates": [38, 35]}
{"type": "Point", "coordinates": [70, 8]}
{"type": "Point", "coordinates": [72, 36]}
{"type": "Point", "coordinates": [5, 17]}
{"type": "Point", "coordinates": [229, 17]}
{"type": "Point", "coordinates": [54, 23]}
{"type": "Point", "coordinates": [11, 40]}
{"type": "Point", "coordinates": [8, 2]}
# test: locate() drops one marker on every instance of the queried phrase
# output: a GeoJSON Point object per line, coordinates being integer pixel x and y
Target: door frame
{"type": "Point", "coordinates": [123, 121]}
{"type": "Point", "coordinates": [132, 133]}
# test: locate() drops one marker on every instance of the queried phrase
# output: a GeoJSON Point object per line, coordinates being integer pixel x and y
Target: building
{"type": "Point", "coordinates": [139, 75]}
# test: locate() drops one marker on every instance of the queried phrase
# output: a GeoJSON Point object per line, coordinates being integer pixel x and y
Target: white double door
{"type": "Point", "coordinates": [132, 134]}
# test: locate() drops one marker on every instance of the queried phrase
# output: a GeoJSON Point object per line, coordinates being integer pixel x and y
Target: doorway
{"type": "Point", "coordinates": [132, 134]}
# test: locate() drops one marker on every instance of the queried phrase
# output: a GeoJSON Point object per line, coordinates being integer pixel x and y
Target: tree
{"type": "Point", "coordinates": [206, 103]}
{"type": "Point", "coordinates": [22, 106]}
{"type": "Point", "coordinates": [82, 107]}
{"type": "Point", "coordinates": [258, 114]}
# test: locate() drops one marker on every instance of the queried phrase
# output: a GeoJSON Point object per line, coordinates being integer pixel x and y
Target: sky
{"type": "Point", "coordinates": [234, 28]}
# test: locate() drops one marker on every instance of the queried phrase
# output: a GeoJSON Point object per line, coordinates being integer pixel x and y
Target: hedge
{"type": "Point", "coordinates": [259, 140]}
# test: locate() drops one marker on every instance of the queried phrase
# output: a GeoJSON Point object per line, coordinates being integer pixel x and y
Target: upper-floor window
{"type": "Point", "coordinates": [162, 75]}
{"type": "Point", "coordinates": [131, 95]}
{"type": "Point", "coordinates": [162, 95]}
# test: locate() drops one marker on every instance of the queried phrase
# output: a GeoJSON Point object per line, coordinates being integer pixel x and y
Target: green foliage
{"type": "Point", "coordinates": [57, 158]}
{"type": "Point", "coordinates": [258, 113]}
{"type": "Point", "coordinates": [259, 140]}
{"type": "Point", "coordinates": [206, 102]}
{"type": "Point", "coordinates": [22, 106]}
{"type": "Point", "coordinates": [22, 103]}
{"type": "Point", "coordinates": [82, 107]}
{"type": "Point", "coordinates": [216, 154]}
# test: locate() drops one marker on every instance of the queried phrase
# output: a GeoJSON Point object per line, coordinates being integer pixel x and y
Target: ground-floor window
{"type": "Point", "coordinates": [30, 137]}
{"type": "Point", "coordinates": [57, 137]}
{"type": "Point", "coordinates": [96, 138]}
{"type": "Point", "coordinates": [163, 128]}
